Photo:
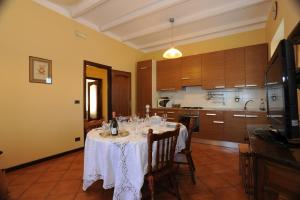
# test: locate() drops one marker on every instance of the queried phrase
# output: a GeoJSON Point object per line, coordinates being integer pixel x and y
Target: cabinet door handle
{"type": "Point", "coordinates": [272, 83]}
{"type": "Point", "coordinates": [143, 67]}
{"type": "Point", "coordinates": [219, 86]}
{"type": "Point", "coordinates": [218, 122]}
{"type": "Point", "coordinates": [251, 116]}
{"type": "Point", "coordinates": [210, 114]}
{"type": "Point", "coordinates": [166, 89]}
{"type": "Point", "coordinates": [251, 85]}
{"type": "Point", "coordinates": [237, 115]}
{"type": "Point", "coordinates": [239, 86]}
{"type": "Point", "coordinates": [169, 112]}
{"type": "Point", "coordinates": [277, 116]}
{"type": "Point", "coordinates": [185, 78]}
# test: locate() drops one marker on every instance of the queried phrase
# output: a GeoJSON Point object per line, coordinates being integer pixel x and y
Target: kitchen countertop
{"type": "Point", "coordinates": [276, 152]}
{"type": "Point", "coordinates": [216, 109]}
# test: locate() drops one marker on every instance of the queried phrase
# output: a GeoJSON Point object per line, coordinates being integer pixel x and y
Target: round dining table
{"type": "Point", "coordinates": [121, 162]}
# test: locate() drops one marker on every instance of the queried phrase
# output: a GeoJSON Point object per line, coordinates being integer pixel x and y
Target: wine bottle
{"type": "Point", "coordinates": [114, 125]}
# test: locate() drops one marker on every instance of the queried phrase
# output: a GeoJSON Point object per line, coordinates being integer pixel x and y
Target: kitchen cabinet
{"type": "Point", "coordinates": [211, 125]}
{"type": "Point", "coordinates": [228, 125]}
{"type": "Point", "coordinates": [191, 71]}
{"type": "Point", "coordinates": [144, 85]}
{"type": "Point", "coordinates": [235, 126]}
{"type": "Point", "coordinates": [172, 114]}
{"type": "Point", "coordinates": [256, 58]}
{"type": "Point", "coordinates": [235, 68]}
{"type": "Point", "coordinates": [168, 74]}
{"type": "Point", "coordinates": [213, 70]}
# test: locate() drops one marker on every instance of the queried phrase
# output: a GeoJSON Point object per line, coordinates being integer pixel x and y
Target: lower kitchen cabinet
{"type": "Point", "coordinates": [172, 114]}
{"type": "Point", "coordinates": [235, 126]}
{"type": "Point", "coordinates": [228, 125]}
{"type": "Point", "coordinates": [211, 125]}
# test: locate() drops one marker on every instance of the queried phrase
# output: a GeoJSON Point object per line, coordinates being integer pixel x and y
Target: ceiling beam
{"type": "Point", "coordinates": [85, 6]}
{"type": "Point", "coordinates": [205, 32]}
{"type": "Point", "coordinates": [154, 7]}
{"type": "Point", "coordinates": [199, 16]}
{"type": "Point", "coordinates": [210, 36]}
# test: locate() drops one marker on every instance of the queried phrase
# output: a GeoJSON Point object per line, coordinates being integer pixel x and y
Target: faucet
{"type": "Point", "coordinates": [245, 106]}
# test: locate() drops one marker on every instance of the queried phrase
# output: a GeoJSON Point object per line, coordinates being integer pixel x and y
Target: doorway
{"type": "Point", "coordinates": [96, 93]}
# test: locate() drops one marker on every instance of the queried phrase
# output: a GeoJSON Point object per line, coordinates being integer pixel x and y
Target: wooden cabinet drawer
{"type": "Point", "coordinates": [211, 125]}
{"type": "Point", "coordinates": [235, 126]}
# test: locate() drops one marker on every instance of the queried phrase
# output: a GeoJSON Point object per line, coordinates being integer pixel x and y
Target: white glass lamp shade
{"type": "Point", "coordinates": [172, 53]}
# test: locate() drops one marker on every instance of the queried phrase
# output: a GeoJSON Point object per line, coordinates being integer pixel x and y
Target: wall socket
{"type": "Point", "coordinates": [76, 101]}
{"type": "Point", "coordinates": [77, 139]}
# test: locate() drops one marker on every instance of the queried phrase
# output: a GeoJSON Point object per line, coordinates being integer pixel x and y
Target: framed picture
{"type": "Point", "coordinates": [40, 70]}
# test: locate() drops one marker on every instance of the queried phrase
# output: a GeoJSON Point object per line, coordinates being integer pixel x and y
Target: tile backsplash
{"type": "Point", "coordinates": [223, 98]}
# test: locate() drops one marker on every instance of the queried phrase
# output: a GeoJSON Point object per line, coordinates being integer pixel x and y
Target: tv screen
{"type": "Point", "coordinates": [282, 91]}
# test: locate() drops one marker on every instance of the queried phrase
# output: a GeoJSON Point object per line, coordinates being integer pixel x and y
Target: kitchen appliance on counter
{"type": "Point", "coordinates": [162, 102]}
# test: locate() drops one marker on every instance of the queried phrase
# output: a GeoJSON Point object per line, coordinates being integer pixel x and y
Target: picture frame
{"type": "Point", "coordinates": [40, 70]}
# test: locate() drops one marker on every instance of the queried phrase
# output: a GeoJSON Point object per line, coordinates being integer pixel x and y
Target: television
{"type": "Point", "coordinates": [281, 89]}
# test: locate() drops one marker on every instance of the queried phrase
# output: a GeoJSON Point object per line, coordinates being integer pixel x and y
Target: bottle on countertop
{"type": "Point", "coordinates": [262, 105]}
{"type": "Point", "coordinates": [114, 125]}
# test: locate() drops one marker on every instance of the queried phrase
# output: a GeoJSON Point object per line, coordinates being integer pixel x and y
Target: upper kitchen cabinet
{"type": "Point", "coordinates": [144, 85]}
{"type": "Point", "coordinates": [213, 70]}
{"type": "Point", "coordinates": [191, 71]}
{"type": "Point", "coordinates": [168, 74]}
{"type": "Point", "coordinates": [235, 68]}
{"type": "Point", "coordinates": [256, 58]}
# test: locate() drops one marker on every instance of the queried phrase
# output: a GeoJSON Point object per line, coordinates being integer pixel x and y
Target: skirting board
{"type": "Point", "coordinates": [41, 160]}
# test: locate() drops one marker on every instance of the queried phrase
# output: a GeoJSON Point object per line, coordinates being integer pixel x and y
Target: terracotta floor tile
{"type": "Point", "coordinates": [16, 191]}
{"type": "Point", "coordinates": [215, 182]}
{"type": "Point", "coordinates": [25, 179]}
{"type": "Point", "coordinates": [73, 175]}
{"type": "Point", "coordinates": [51, 176]}
{"type": "Point", "coordinates": [66, 187]}
{"type": "Point", "coordinates": [38, 191]}
{"type": "Point", "coordinates": [230, 194]}
{"type": "Point", "coordinates": [216, 174]}
{"type": "Point", "coordinates": [61, 197]}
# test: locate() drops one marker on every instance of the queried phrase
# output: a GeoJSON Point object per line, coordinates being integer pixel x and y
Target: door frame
{"type": "Point", "coordinates": [109, 75]}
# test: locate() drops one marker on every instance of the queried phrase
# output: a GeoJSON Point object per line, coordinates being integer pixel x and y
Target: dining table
{"type": "Point", "coordinates": [121, 162]}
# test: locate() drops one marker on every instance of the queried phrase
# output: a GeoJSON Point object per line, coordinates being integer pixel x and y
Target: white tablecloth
{"type": "Point", "coordinates": [121, 162]}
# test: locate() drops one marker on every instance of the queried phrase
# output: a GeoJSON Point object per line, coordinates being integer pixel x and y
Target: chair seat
{"type": "Point", "coordinates": [180, 157]}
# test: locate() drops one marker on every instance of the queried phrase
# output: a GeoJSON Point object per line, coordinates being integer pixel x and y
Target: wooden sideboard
{"type": "Point", "coordinates": [275, 169]}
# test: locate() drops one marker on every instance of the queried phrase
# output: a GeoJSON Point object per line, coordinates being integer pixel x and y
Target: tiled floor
{"type": "Point", "coordinates": [61, 178]}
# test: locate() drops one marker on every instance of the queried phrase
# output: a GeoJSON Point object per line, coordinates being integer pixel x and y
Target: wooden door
{"type": "Point", "coordinates": [256, 58]}
{"type": "Point", "coordinates": [168, 74]}
{"type": "Point", "coordinates": [121, 92]}
{"type": "Point", "coordinates": [235, 68]}
{"type": "Point", "coordinates": [191, 71]}
{"type": "Point", "coordinates": [144, 86]}
{"type": "Point", "coordinates": [213, 70]}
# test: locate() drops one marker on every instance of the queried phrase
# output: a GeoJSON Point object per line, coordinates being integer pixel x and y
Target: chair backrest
{"type": "Point", "coordinates": [164, 144]}
{"type": "Point", "coordinates": [190, 127]}
{"type": "Point", "coordinates": [89, 125]}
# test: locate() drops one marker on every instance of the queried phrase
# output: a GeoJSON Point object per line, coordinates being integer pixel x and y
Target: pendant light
{"type": "Point", "coordinates": [172, 52]}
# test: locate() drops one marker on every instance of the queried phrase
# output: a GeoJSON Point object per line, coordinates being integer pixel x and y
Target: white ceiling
{"type": "Point", "coordinates": [144, 24]}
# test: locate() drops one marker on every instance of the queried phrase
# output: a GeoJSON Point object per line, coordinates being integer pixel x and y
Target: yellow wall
{"type": "Point", "coordinates": [289, 10]}
{"type": "Point", "coordinates": [39, 120]}
{"type": "Point", "coordinates": [227, 42]}
{"type": "Point", "coordinates": [94, 72]}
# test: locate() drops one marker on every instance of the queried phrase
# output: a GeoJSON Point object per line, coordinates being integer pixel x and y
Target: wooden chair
{"type": "Point", "coordinates": [89, 125]}
{"type": "Point", "coordinates": [163, 145]}
{"type": "Point", "coordinates": [185, 156]}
